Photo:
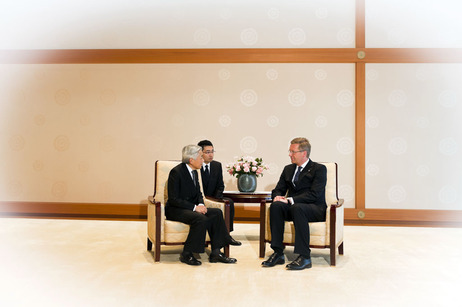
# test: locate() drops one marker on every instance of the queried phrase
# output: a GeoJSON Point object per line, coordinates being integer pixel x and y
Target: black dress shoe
{"type": "Point", "coordinates": [189, 259]}
{"type": "Point", "coordinates": [221, 258]}
{"type": "Point", "coordinates": [274, 259]}
{"type": "Point", "coordinates": [234, 242]}
{"type": "Point", "coordinates": [299, 264]}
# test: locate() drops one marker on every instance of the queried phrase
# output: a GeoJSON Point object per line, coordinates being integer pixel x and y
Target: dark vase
{"type": "Point", "coordinates": [247, 183]}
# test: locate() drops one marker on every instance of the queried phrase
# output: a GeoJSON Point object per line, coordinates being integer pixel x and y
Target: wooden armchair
{"type": "Point", "coordinates": [165, 232]}
{"type": "Point", "coordinates": [328, 234]}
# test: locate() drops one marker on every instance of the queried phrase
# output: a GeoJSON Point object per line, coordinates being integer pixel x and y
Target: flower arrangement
{"type": "Point", "coordinates": [247, 165]}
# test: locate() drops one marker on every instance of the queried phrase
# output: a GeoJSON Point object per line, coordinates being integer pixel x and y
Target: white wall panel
{"type": "Point", "coordinates": [413, 24]}
{"type": "Point", "coordinates": [413, 136]}
{"type": "Point", "coordinates": [52, 24]}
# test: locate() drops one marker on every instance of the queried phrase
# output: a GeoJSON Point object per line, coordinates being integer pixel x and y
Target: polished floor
{"type": "Point", "coordinates": [105, 263]}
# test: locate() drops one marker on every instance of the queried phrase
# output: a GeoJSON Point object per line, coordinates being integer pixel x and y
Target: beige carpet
{"type": "Point", "coordinates": [105, 263]}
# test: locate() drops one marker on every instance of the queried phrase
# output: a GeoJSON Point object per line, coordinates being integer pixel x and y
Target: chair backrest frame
{"type": "Point", "coordinates": [162, 169]}
{"type": "Point", "coordinates": [332, 178]}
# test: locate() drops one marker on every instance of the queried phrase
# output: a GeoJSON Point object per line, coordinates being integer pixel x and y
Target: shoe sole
{"type": "Point", "coordinates": [217, 261]}
{"type": "Point", "coordinates": [299, 269]}
{"type": "Point", "coordinates": [195, 264]}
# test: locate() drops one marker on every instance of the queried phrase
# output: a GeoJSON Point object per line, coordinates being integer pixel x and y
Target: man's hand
{"type": "Point", "coordinates": [281, 198]}
{"type": "Point", "coordinates": [201, 209]}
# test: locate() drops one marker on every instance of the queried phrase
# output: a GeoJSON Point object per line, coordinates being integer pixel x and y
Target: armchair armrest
{"type": "Point", "coordinates": [212, 202]}
{"type": "Point", "coordinates": [339, 203]}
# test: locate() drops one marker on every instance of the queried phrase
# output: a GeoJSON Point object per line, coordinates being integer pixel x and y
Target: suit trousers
{"type": "Point", "coordinates": [301, 214]}
{"type": "Point", "coordinates": [199, 223]}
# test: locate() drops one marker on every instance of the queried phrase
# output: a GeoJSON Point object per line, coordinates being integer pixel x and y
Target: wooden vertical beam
{"type": "Point", "coordinates": [360, 135]}
{"type": "Point", "coordinates": [360, 112]}
{"type": "Point", "coordinates": [360, 24]}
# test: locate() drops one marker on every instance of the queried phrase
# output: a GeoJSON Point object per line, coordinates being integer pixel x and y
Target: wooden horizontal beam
{"type": "Point", "coordinates": [74, 210]}
{"type": "Point", "coordinates": [254, 55]}
{"type": "Point", "coordinates": [376, 217]}
{"type": "Point", "coordinates": [246, 214]}
{"type": "Point", "coordinates": [403, 217]}
{"type": "Point", "coordinates": [112, 56]}
{"type": "Point", "coordinates": [412, 55]}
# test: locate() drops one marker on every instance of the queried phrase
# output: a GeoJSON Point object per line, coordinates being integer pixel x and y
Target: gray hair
{"type": "Point", "coordinates": [190, 152]}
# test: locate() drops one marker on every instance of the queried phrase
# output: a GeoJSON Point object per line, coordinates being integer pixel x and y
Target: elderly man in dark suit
{"type": "Point", "coordinates": [212, 180]}
{"type": "Point", "coordinates": [185, 204]}
{"type": "Point", "coordinates": [299, 196]}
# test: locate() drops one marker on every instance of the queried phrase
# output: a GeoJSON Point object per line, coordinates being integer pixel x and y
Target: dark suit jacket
{"type": "Point", "coordinates": [311, 187]}
{"type": "Point", "coordinates": [215, 185]}
{"type": "Point", "coordinates": [182, 192]}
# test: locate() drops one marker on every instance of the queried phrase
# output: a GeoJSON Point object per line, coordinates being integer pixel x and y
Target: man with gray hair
{"type": "Point", "coordinates": [186, 204]}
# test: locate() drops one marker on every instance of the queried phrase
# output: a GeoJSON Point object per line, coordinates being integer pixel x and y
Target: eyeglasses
{"type": "Point", "coordinates": [209, 152]}
{"type": "Point", "coordinates": [292, 152]}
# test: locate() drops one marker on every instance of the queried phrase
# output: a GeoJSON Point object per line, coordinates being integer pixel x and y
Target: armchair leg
{"type": "Point", "coordinates": [227, 250]}
{"type": "Point", "coordinates": [149, 247]}
{"type": "Point", "coordinates": [227, 218]}
{"type": "Point", "coordinates": [262, 228]}
{"type": "Point", "coordinates": [340, 249]}
{"type": "Point", "coordinates": [262, 247]}
{"type": "Point", "coordinates": [332, 254]}
{"type": "Point", "coordinates": [157, 252]}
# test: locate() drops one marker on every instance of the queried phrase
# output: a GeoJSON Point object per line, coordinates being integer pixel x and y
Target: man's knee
{"type": "Point", "coordinates": [199, 219]}
{"type": "Point", "coordinates": [277, 206]}
{"type": "Point", "coordinates": [297, 207]}
{"type": "Point", "coordinates": [214, 211]}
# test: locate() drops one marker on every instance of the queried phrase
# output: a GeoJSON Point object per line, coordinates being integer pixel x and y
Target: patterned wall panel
{"type": "Point", "coordinates": [413, 136]}
{"type": "Point", "coordinates": [91, 133]}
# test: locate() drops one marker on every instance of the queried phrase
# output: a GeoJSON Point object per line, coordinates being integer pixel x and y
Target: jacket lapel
{"type": "Point", "coordinates": [305, 171]}
{"type": "Point", "coordinates": [290, 174]}
{"type": "Point", "coordinates": [187, 174]}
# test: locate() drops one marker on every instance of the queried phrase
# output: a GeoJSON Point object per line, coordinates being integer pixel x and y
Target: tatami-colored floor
{"type": "Point", "coordinates": [105, 263]}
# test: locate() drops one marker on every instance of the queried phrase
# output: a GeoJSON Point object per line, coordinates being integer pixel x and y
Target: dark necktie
{"type": "Point", "coordinates": [205, 179]}
{"type": "Point", "coordinates": [194, 177]}
{"type": "Point", "coordinates": [297, 174]}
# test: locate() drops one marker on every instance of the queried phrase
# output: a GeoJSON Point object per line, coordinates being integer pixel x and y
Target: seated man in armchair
{"type": "Point", "coordinates": [185, 204]}
{"type": "Point", "coordinates": [304, 183]}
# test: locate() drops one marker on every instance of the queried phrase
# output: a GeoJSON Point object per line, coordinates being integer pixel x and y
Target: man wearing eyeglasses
{"type": "Point", "coordinates": [212, 180]}
{"type": "Point", "coordinates": [299, 196]}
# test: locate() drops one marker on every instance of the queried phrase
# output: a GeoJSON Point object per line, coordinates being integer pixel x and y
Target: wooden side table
{"type": "Point", "coordinates": [247, 197]}
{"type": "Point", "coordinates": [253, 215]}
{"type": "Point", "coordinates": [249, 214]}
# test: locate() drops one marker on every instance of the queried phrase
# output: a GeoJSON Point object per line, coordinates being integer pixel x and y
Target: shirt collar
{"type": "Point", "coordinates": [189, 168]}
{"type": "Point", "coordinates": [304, 164]}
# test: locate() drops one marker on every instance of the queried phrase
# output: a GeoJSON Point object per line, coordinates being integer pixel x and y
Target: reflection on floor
{"type": "Point", "coordinates": [105, 263]}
